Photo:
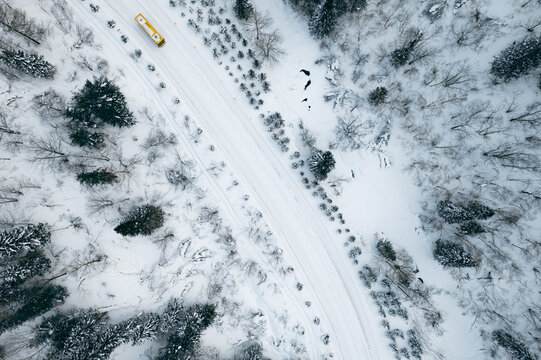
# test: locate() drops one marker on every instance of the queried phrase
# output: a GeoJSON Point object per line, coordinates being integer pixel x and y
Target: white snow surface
{"type": "Point", "coordinates": [208, 97]}
{"type": "Point", "coordinates": [377, 199]}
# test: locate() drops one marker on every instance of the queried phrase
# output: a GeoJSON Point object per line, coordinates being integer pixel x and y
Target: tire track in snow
{"type": "Point", "coordinates": [340, 303]}
{"type": "Point", "coordinates": [192, 151]}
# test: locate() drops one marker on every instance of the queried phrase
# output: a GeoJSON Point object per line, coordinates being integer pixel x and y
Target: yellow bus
{"type": "Point", "coordinates": [157, 38]}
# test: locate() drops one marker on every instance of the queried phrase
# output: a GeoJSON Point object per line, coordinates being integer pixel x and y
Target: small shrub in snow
{"type": "Point", "coordinates": [450, 254]}
{"type": "Point", "coordinates": [124, 38]}
{"type": "Point", "coordinates": [94, 8]}
{"type": "Point", "coordinates": [141, 221]}
{"type": "Point", "coordinates": [181, 175]}
{"type": "Point", "coordinates": [97, 177]}
{"type": "Point", "coordinates": [321, 163]}
{"type": "Point", "coordinates": [377, 96]}
{"type": "Point", "coordinates": [111, 23]}
{"type": "Point", "coordinates": [31, 64]}
{"type": "Point", "coordinates": [517, 59]}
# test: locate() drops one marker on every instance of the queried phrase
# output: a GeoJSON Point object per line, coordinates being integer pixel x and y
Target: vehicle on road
{"type": "Point", "coordinates": [156, 37]}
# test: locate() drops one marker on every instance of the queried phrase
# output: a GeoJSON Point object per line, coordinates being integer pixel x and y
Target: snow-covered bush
{"type": "Point", "coordinates": [181, 174]}
{"type": "Point", "coordinates": [143, 220]}
{"type": "Point", "coordinates": [28, 63]}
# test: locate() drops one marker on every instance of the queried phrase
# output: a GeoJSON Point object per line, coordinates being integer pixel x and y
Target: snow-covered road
{"type": "Point", "coordinates": [210, 99]}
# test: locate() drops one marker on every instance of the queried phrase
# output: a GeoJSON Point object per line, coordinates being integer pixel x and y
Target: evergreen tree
{"type": "Point", "coordinates": [31, 64]}
{"type": "Point", "coordinates": [321, 163]}
{"type": "Point", "coordinates": [385, 249]}
{"type": "Point", "coordinates": [34, 301]}
{"type": "Point", "coordinates": [97, 103]}
{"type": "Point", "coordinates": [184, 341]}
{"type": "Point", "coordinates": [450, 254]}
{"type": "Point", "coordinates": [85, 138]}
{"type": "Point", "coordinates": [243, 9]}
{"type": "Point", "coordinates": [34, 263]}
{"type": "Point", "coordinates": [453, 214]}
{"type": "Point", "coordinates": [323, 19]}
{"type": "Point", "coordinates": [348, 6]}
{"type": "Point", "coordinates": [141, 221]}
{"type": "Point", "coordinates": [400, 56]}
{"type": "Point", "coordinates": [516, 349]}
{"type": "Point", "coordinates": [16, 240]}
{"type": "Point", "coordinates": [516, 60]}
{"type": "Point", "coordinates": [88, 335]}
{"type": "Point", "coordinates": [97, 177]}
{"type": "Point", "coordinates": [378, 95]}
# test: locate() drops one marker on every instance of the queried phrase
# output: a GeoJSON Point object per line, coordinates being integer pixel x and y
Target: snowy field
{"type": "Point", "coordinates": [294, 266]}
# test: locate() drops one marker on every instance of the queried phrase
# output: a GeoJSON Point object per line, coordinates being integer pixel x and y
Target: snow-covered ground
{"type": "Point", "coordinates": [280, 266]}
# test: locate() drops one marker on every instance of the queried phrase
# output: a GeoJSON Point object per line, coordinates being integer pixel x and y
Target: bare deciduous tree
{"type": "Point", "coordinates": [268, 46]}
{"type": "Point", "coordinates": [349, 133]}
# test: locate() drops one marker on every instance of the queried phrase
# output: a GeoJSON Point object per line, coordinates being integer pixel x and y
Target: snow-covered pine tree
{"type": "Point", "coordinates": [517, 59]}
{"type": "Point", "coordinates": [31, 302]}
{"type": "Point", "coordinates": [453, 214]}
{"type": "Point", "coordinates": [323, 19]}
{"type": "Point", "coordinates": [88, 334]}
{"type": "Point", "coordinates": [243, 9]}
{"type": "Point", "coordinates": [85, 138]}
{"type": "Point", "coordinates": [321, 163]}
{"type": "Point", "coordinates": [347, 6]}
{"type": "Point", "coordinates": [385, 249]}
{"type": "Point", "coordinates": [29, 63]}
{"type": "Point", "coordinates": [34, 263]}
{"type": "Point", "coordinates": [97, 103]}
{"type": "Point", "coordinates": [378, 95]}
{"type": "Point", "coordinates": [97, 177]}
{"type": "Point", "coordinates": [450, 254]}
{"type": "Point", "coordinates": [141, 221]}
{"type": "Point", "coordinates": [18, 239]}
{"type": "Point", "coordinates": [184, 340]}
